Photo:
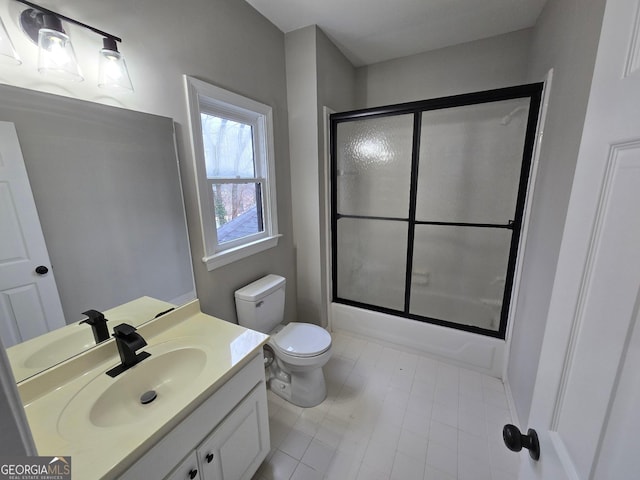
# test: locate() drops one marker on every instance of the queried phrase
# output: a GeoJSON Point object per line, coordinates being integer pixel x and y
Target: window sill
{"type": "Point", "coordinates": [237, 253]}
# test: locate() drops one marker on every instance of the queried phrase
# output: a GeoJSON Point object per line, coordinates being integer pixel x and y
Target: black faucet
{"type": "Point", "coordinates": [128, 342]}
{"type": "Point", "coordinates": [98, 325]}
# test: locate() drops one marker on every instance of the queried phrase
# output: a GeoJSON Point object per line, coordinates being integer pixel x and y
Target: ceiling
{"type": "Point", "coordinates": [371, 31]}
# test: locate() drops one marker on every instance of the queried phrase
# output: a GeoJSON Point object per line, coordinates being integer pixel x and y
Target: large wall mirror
{"type": "Point", "coordinates": [105, 182]}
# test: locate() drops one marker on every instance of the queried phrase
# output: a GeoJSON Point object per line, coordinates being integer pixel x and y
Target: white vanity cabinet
{"type": "Point", "coordinates": [235, 449]}
{"type": "Point", "coordinates": [225, 438]}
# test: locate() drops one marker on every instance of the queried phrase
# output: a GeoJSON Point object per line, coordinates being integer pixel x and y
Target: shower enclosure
{"type": "Point", "coordinates": [427, 203]}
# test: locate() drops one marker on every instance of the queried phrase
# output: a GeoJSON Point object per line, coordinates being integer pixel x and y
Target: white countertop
{"type": "Point", "coordinates": [98, 451]}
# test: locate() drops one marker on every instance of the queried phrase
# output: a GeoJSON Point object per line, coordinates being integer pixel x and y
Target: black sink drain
{"type": "Point", "coordinates": [148, 397]}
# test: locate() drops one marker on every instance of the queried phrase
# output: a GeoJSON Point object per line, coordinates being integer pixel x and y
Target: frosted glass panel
{"type": "Point", "coordinates": [470, 161]}
{"type": "Point", "coordinates": [374, 166]}
{"type": "Point", "coordinates": [371, 261]}
{"type": "Point", "coordinates": [459, 274]}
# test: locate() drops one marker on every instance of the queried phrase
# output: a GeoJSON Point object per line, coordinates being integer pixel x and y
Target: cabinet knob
{"type": "Point", "coordinates": [193, 473]}
{"type": "Point", "coordinates": [209, 457]}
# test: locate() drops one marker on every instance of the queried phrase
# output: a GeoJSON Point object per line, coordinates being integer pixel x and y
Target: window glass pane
{"type": "Point", "coordinates": [371, 259]}
{"type": "Point", "coordinates": [238, 210]}
{"type": "Point", "coordinates": [228, 148]}
{"type": "Point", "coordinates": [458, 274]}
{"type": "Point", "coordinates": [374, 166]}
{"type": "Point", "coordinates": [470, 162]}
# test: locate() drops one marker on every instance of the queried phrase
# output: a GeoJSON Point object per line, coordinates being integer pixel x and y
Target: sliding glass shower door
{"type": "Point", "coordinates": [427, 203]}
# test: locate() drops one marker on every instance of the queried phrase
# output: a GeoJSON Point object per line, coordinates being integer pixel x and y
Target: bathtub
{"type": "Point", "coordinates": [470, 350]}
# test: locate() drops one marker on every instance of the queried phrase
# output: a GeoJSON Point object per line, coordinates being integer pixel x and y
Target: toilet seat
{"type": "Point", "coordinates": [302, 340]}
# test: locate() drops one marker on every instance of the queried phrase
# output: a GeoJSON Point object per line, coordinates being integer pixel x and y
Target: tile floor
{"type": "Point", "coordinates": [392, 415]}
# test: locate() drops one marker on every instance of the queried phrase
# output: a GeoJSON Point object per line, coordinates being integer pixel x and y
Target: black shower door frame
{"type": "Point", "coordinates": [532, 91]}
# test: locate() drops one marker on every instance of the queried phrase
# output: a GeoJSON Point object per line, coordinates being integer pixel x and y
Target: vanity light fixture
{"type": "Point", "coordinates": [113, 71]}
{"type": "Point", "coordinates": [56, 54]}
{"type": "Point", "coordinates": [8, 53]}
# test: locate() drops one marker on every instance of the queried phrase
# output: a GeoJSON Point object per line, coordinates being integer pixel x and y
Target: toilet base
{"type": "Point", "coordinates": [304, 389]}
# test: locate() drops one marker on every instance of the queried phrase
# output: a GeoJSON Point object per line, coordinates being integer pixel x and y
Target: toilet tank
{"type": "Point", "coordinates": [260, 305]}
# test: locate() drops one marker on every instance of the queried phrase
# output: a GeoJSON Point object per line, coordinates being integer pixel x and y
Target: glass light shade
{"type": "Point", "coordinates": [56, 55]}
{"type": "Point", "coordinates": [8, 54]}
{"type": "Point", "coordinates": [113, 71]}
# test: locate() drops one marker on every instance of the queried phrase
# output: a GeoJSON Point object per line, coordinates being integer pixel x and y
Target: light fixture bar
{"type": "Point", "coordinates": [70, 20]}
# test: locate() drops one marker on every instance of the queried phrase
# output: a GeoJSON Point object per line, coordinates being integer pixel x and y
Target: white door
{"type": "Point", "coordinates": [29, 301]}
{"type": "Point", "coordinates": [586, 403]}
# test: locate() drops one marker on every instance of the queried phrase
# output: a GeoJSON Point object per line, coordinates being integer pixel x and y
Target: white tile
{"type": "Point", "coordinates": [304, 472]}
{"type": "Point", "coordinates": [445, 414]}
{"type": "Point", "coordinates": [446, 396]}
{"type": "Point", "coordinates": [497, 416]}
{"type": "Point", "coordinates": [407, 468]}
{"type": "Point", "coordinates": [278, 431]}
{"type": "Point", "coordinates": [423, 387]}
{"type": "Point", "coordinates": [472, 446]}
{"type": "Point", "coordinates": [442, 458]}
{"type": "Point", "coordinates": [397, 398]}
{"type": "Point", "coordinates": [295, 444]}
{"type": "Point", "coordinates": [367, 472]}
{"type": "Point", "coordinates": [417, 421]}
{"type": "Point", "coordinates": [431, 473]}
{"type": "Point", "coordinates": [331, 430]}
{"type": "Point", "coordinates": [379, 456]}
{"type": "Point", "coordinates": [306, 425]}
{"type": "Point", "coordinates": [390, 415]}
{"type": "Point", "coordinates": [401, 381]}
{"type": "Point", "coordinates": [503, 458]}
{"type": "Point", "coordinates": [501, 475]}
{"type": "Point", "coordinates": [286, 417]}
{"type": "Point", "coordinates": [343, 466]}
{"type": "Point", "coordinates": [279, 467]}
{"type": "Point", "coordinates": [318, 456]}
{"type": "Point", "coordinates": [495, 397]}
{"type": "Point", "coordinates": [413, 445]}
{"type": "Point", "coordinates": [473, 469]}
{"type": "Point", "coordinates": [443, 434]}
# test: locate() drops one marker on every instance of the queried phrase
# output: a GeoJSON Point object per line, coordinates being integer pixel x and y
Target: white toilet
{"type": "Point", "coordinates": [300, 349]}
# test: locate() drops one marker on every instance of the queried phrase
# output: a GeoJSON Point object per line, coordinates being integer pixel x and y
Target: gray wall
{"type": "Point", "coordinates": [494, 62]}
{"type": "Point", "coordinates": [565, 38]}
{"type": "Point", "coordinates": [225, 42]}
{"type": "Point", "coordinates": [318, 75]}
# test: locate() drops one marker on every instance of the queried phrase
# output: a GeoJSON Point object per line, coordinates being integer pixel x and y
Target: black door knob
{"type": "Point", "coordinates": [193, 473]}
{"type": "Point", "coordinates": [209, 457]}
{"type": "Point", "coordinates": [516, 441]}
{"type": "Point", "coordinates": [41, 270]}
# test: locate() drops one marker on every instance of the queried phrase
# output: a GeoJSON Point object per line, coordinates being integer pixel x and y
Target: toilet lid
{"type": "Point", "coordinates": [302, 340]}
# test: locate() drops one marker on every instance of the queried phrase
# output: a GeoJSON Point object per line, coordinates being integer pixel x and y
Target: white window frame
{"type": "Point", "coordinates": [205, 98]}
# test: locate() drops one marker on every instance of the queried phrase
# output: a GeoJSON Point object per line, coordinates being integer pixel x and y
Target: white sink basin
{"type": "Point", "coordinates": [107, 402]}
{"type": "Point", "coordinates": [60, 349]}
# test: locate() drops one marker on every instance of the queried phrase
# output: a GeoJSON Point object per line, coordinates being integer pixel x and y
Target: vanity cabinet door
{"type": "Point", "coordinates": [237, 447]}
{"type": "Point", "coordinates": [187, 470]}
